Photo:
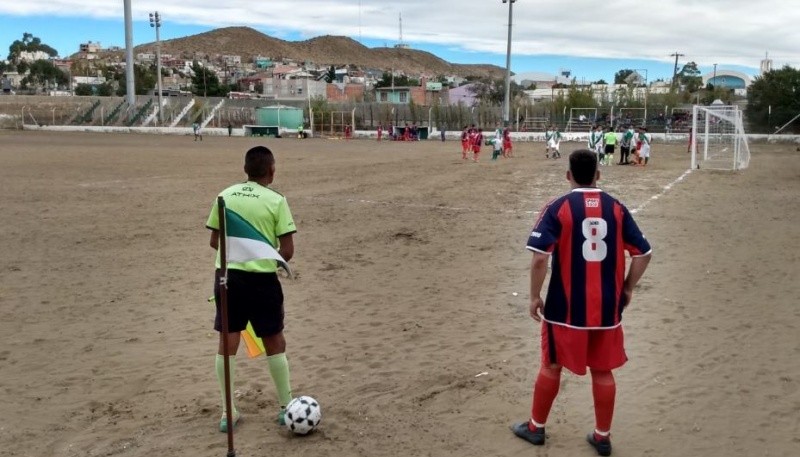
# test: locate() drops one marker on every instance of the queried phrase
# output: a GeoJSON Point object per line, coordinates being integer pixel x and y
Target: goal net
{"type": "Point", "coordinates": [719, 141]}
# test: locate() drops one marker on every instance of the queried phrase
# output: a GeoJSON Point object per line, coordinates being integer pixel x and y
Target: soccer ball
{"type": "Point", "coordinates": [303, 414]}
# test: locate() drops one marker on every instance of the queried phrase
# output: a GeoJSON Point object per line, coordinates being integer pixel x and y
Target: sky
{"type": "Point", "coordinates": [548, 35]}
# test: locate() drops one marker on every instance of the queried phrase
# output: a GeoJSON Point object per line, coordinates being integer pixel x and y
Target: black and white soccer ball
{"type": "Point", "coordinates": [303, 414]}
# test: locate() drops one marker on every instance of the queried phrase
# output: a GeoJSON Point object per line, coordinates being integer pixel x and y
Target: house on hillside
{"type": "Point", "coordinates": [293, 89]}
{"type": "Point", "coordinates": [344, 92]}
{"type": "Point", "coordinates": [426, 94]}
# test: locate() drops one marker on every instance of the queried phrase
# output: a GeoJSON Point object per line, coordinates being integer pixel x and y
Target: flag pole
{"type": "Point", "coordinates": [223, 294]}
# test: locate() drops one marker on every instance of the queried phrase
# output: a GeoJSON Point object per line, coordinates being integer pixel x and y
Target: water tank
{"type": "Point", "coordinates": [279, 116]}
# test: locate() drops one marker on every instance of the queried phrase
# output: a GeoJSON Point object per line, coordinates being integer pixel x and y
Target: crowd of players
{"type": "Point", "coordinates": [634, 143]}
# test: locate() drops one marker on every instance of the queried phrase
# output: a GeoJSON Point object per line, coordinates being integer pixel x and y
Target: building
{"type": "Point", "coordinates": [729, 79]}
{"type": "Point", "coordinates": [90, 48]}
{"type": "Point", "coordinates": [27, 56]}
{"type": "Point", "coordinates": [293, 89]}
{"type": "Point", "coordinates": [342, 92]}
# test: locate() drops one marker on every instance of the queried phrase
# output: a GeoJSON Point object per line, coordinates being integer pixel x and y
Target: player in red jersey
{"type": "Point", "coordinates": [477, 142]}
{"type": "Point", "coordinates": [508, 149]}
{"type": "Point", "coordinates": [380, 131]}
{"type": "Point", "coordinates": [586, 233]}
{"type": "Point", "coordinates": [465, 146]}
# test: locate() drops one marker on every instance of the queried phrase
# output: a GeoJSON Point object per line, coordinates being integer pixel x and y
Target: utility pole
{"type": "Point", "coordinates": [675, 72]}
{"type": "Point", "coordinates": [507, 101]}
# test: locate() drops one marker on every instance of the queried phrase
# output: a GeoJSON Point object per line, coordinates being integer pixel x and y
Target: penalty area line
{"type": "Point", "coordinates": [664, 190]}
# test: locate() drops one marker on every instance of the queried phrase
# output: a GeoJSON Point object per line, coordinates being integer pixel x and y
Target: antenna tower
{"type": "Point", "coordinates": [401, 44]}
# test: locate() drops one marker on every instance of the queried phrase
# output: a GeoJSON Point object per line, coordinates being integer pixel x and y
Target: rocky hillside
{"type": "Point", "coordinates": [324, 50]}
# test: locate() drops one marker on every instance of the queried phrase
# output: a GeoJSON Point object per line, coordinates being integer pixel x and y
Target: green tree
{"type": "Point", "coordinates": [621, 77]}
{"type": "Point", "coordinates": [206, 83]}
{"type": "Point", "coordinates": [105, 90]}
{"type": "Point", "coordinates": [43, 72]}
{"type": "Point", "coordinates": [690, 78]}
{"type": "Point", "coordinates": [580, 97]}
{"type": "Point", "coordinates": [600, 82]}
{"type": "Point", "coordinates": [28, 43]}
{"type": "Point", "coordinates": [144, 80]}
{"type": "Point", "coordinates": [84, 90]}
{"type": "Point", "coordinates": [397, 81]}
{"type": "Point", "coordinates": [777, 91]}
{"type": "Point", "coordinates": [493, 91]}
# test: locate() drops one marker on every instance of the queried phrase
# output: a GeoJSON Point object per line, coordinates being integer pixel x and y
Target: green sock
{"type": "Point", "coordinates": [220, 368]}
{"type": "Point", "coordinates": [279, 370]}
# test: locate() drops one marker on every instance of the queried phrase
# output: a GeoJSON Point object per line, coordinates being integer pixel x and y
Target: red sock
{"type": "Point", "coordinates": [544, 393]}
{"type": "Point", "coordinates": [604, 390]}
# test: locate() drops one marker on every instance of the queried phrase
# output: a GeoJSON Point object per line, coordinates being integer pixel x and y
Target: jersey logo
{"type": "Point", "coordinates": [536, 234]}
{"type": "Point", "coordinates": [592, 202]}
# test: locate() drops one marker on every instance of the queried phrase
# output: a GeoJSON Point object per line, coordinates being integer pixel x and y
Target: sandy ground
{"type": "Point", "coordinates": [408, 261]}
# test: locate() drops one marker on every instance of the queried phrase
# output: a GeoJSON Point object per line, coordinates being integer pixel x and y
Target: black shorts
{"type": "Point", "coordinates": [609, 149]}
{"type": "Point", "coordinates": [625, 150]}
{"type": "Point", "coordinates": [254, 297]}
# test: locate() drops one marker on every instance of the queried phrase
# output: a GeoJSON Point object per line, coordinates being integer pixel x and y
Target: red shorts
{"type": "Point", "coordinates": [476, 149]}
{"type": "Point", "coordinates": [575, 349]}
{"type": "Point", "coordinates": [465, 145]}
{"type": "Point", "coordinates": [507, 145]}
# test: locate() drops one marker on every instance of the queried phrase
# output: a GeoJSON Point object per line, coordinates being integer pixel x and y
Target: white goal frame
{"type": "Point", "coordinates": [719, 141]}
{"type": "Point", "coordinates": [574, 121]}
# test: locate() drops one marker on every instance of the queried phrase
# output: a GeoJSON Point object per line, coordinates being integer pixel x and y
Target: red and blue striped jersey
{"type": "Point", "coordinates": [587, 232]}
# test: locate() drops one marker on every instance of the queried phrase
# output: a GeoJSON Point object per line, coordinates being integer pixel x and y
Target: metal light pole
{"type": "Point", "coordinates": [507, 102]}
{"type": "Point", "coordinates": [130, 94]}
{"type": "Point", "coordinates": [155, 22]}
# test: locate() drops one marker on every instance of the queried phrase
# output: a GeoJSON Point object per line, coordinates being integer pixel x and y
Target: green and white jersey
{"type": "Point", "coordinates": [645, 138]}
{"type": "Point", "coordinates": [263, 208]}
{"type": "Point", "coordinates": [548, 135]}
{"type": "Point", "coordinates": [627, 138]}
{"type": "Point", "coordinates": [595, 137]}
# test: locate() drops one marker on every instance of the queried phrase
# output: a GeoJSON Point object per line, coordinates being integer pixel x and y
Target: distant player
{"type": "Point", "coordinates": [626, 145]}
{"type": "Point", "coordinates": [465, 144]}
{"type": "Point", "coordinates": [583, 235]}
{"type": "Point", "coordinates": [477, 143]}
{"type": "Point", "coordinates": [497, 147]}
{"type": "Point", "coordinates": [610, 142]}
{"type": "Point", "coordinates": [508, 147]}
{"type": "Point", "coordinates": [645, 139]}
{"type": "Point", "coordinates": [197, 133]}
{"type": "Point", "coordinates": [553, 137]}
{"type": "Point", "coordinates": [380, 132]}
{"type": "Point", "coordinates": [596, 140]}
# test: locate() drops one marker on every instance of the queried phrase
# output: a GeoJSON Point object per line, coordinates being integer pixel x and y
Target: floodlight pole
{"type": "Point", "coordinates": [507, 101]}
{"type": "Point", "coordinates": [155, 22]}
{"type": "Point", "coordinates": [130, 94]}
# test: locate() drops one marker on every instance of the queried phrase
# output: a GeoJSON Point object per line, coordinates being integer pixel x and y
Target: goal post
{"type": "Point", "coordinates": [718, 139]}
{"type": "Point", "coordinates": [581, 119]}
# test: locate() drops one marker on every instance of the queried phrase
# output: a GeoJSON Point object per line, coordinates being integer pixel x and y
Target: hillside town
{"type": "Point", "coordinates": [274, 77]}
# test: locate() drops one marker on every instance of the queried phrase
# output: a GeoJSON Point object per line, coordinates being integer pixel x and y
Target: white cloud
{"type": "Point", "coordinates": [723, 31]}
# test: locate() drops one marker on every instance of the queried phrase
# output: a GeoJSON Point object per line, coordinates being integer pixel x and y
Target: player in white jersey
{"type": "Point", "coordinates": [596, 140]}
{"type": "Point", "coordinates": [553, 138]}
{"type": "Point", "coordinates": [645, 139]}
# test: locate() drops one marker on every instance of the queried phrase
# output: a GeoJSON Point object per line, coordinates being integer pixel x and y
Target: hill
{"type": "Point", "coordinates": [324, 50]}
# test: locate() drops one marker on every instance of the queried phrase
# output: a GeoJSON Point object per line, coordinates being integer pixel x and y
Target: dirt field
{"type": "Point", "coordinates": [408, 261]}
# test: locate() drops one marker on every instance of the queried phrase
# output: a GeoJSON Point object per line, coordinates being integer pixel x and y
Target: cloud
{"type": "Point", "coordinates": [734, 32]}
